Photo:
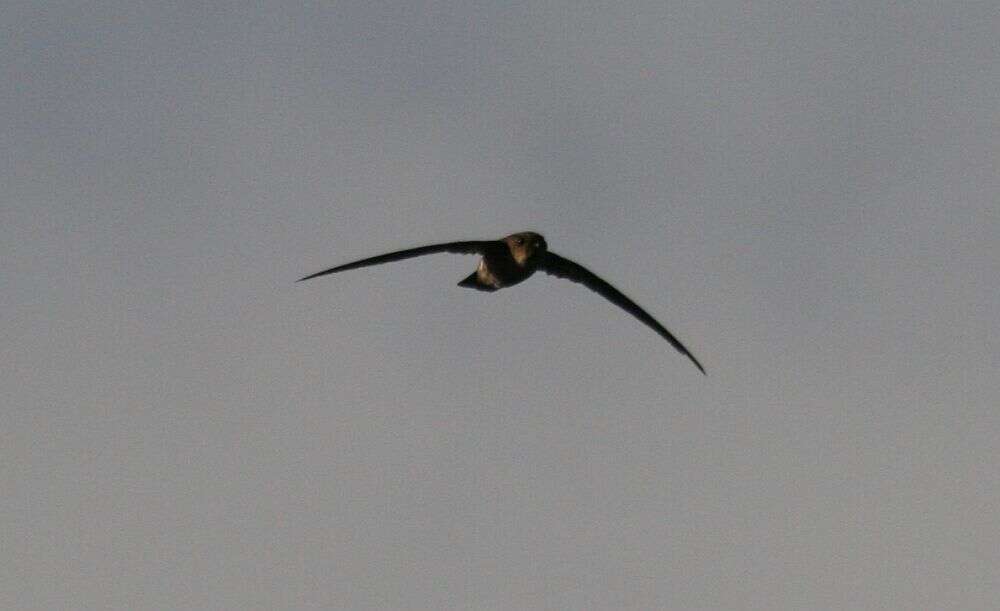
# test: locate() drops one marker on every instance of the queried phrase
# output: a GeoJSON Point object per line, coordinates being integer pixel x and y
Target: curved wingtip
{"type": "Point", "coordinates": [700, 368]}
{"type": "Point", "coordinates": [318, 274]}
{"type": "Point", "coordinates": [680, 347]}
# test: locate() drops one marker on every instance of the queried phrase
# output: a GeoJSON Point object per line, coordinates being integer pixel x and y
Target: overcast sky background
{"type": "Point", "coordinates": [806, 193]}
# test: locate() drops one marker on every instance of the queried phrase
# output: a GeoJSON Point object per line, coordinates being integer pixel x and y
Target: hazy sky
{"type": "Point", "coordinates": [806, 193]}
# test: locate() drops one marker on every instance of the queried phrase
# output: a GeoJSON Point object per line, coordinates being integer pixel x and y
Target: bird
{"type": "Point", "coordinates": [513, 259]}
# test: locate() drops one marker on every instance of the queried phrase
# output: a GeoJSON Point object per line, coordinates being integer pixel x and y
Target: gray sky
{"type": "Point", "coordinates": [805, 193]}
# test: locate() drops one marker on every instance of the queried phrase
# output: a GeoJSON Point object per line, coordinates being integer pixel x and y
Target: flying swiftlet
{"type": "Point", "coordinates": [511, 260]}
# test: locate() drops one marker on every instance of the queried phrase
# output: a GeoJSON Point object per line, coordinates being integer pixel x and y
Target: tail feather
{"type": "Point", "coordinates": [472, 282]}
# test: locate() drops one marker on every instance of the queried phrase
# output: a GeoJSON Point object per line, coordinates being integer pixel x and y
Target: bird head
{"type": "Point", "coordinates": [526, 247]}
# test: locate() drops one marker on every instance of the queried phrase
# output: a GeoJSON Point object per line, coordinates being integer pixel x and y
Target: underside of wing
{"type": "Point", "coordinates": [468, 248]}
{"type": "Point", "coordinates": [564, 268]}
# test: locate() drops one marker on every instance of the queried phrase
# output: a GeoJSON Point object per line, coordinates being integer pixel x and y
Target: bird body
{"type": "Point", "coordinates": [507, 262]}
{"type": "Point", "coordinates": [512, 260]}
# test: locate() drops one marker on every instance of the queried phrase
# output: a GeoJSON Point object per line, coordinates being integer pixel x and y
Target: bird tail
{"type": "Point", "coordinates": [472, 282]}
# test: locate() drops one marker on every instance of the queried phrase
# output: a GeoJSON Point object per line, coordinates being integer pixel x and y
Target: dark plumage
{"type": "Point", "coordinates": [513, 259]}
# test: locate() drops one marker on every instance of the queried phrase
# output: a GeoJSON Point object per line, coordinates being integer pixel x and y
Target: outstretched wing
{"type": "Point", "coordinates": [564, 268]}
{"type": "Point", "coordinates": [468, 248]}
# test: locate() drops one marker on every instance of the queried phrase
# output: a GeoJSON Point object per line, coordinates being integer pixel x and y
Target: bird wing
{"type": "Point", "coordinates": [467, 248]}
{"type": "Point", "coordinates": [564, 268]}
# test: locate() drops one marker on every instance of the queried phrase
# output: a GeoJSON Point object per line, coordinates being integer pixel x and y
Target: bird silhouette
{"type": "Point", "coordinates": [513, 259]}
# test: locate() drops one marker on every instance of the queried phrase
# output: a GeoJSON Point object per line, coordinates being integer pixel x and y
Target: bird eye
{"type": "Point", "coordinates": [519, 241]}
